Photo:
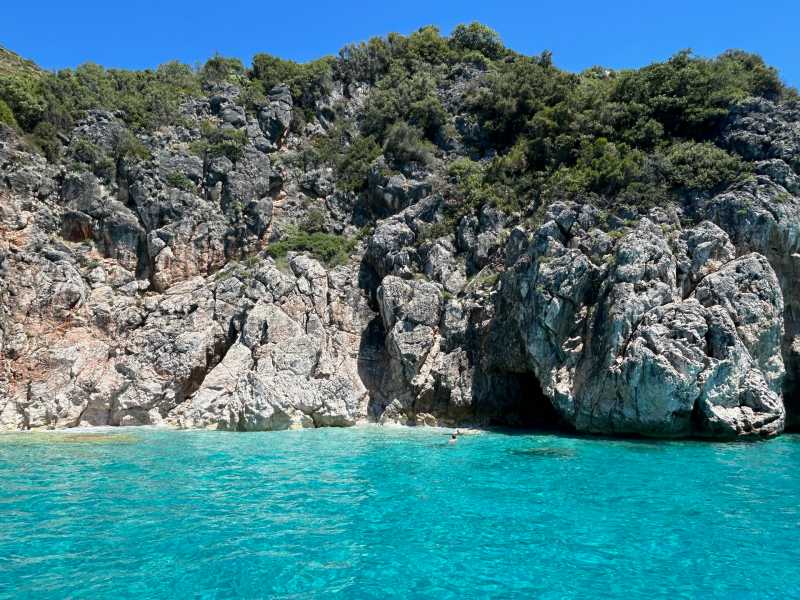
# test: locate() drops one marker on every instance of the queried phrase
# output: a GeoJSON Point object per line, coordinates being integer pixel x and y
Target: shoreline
{"type": "Point", "coordinates": [471, 430]}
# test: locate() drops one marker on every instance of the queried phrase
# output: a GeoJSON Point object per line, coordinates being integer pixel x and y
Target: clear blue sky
{"type": "Point", "coordinates": [616, 34]}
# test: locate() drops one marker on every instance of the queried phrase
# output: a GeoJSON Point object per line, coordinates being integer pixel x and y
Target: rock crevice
{"type": "Point", "coordinates": [153, 295]}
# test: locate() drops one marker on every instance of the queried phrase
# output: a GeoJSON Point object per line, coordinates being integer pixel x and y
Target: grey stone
{"type": "Point", "coordinates": [276, 116]}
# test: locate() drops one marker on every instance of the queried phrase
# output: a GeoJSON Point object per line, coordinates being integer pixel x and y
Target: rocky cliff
{"type": "Point", "coordinates": [167, 285]}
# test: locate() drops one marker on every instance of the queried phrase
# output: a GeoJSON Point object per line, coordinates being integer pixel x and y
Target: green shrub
{"type": "Point", "coordinates": [433, 231]}
{"type": "Point", "coordinates": [308, 82]}
{"type": "Point", "coordinates": [23, 95]}
{"type": "Point", "coordinates": [424, 46]}
{"type": "Point", "coordinates": [147, 99]}
{"type": "Point", "coordinates": [383, 107]}
{"type": "Point", "coordinates": [88, 153]}
{"type": "Point", "coordinates": [424, 109]}
{"type": "Point", "coordinates": [701, 166]}
{"type": "Point", "coordinates": [351, 155]}
{"type": "Point", "coordinates": [514, 93]}
{"type": "Point", "coordinates": [467, 179]}
{"type": "Point", "coordinates": [691, 96]}
{"type": "Point", "coordinates": [46, 104]}
{"type": "Point", "coordinates": [7, 115]}
{"type": "Point", "coordinates": [365, 62]}
{"type": "Point", "coordinates": [476, 59]}
{"type": "Point", "coordinates": [477, 37]}
{"type": "Point", "coordinates": [128, 145]}
{"type": "Point", "coordinates": [251, 261]}
{"type": "Point", "coordinates": [180, 181]}
{"type": "Point", "coordinates": [314, 221]}
{"type": "Point", "coordinates": [231, 147]}
{"type": "Point", "coordinates": [271, 70]}
{"type": "Point", "coordinates": [215, 142]}
{"type": "Point", "coordinates": [45, 137]}
{"type": "Point", "coordinates": [353, 166]}
{"type": "Point", "coordinates": [604, 167]}
{"type": "Point", "coordinates": [424, 50]}
{"type": "Point", "coordinates": [404, 144]}
{"type": "Point", "coordinates": [484, 279]}
{"type": "Point", "coordinates": [331, 249]}
{"type": "Point", "coordinates": [219, 69]}
{"type": "Point", "coordinates": [404, 97]}
{"type": "Point", "coordinates": [473, 184]}
{"type": "Point", "coordinates": [252, 95]}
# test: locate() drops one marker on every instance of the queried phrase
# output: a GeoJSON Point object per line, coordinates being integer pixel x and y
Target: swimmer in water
{"type": "Point", "coordinates": [453, 437]}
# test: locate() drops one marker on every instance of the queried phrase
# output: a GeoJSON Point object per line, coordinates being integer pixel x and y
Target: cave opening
{"type": "Point", "coordinates": [791, 402]}
{"type": "Point", "coordinates": [516, 400]}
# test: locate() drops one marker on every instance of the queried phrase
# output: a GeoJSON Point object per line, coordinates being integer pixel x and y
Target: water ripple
{"type": "Point", "coordinates": [394, 513]}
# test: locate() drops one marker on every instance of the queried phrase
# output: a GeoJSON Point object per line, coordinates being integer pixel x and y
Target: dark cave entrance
{"type": "Point", "coordinates": [516, 400]}
{"type": "Point", "coordinates": [791, 381]}
{"type": "Point", "coordinates": [791, 401]}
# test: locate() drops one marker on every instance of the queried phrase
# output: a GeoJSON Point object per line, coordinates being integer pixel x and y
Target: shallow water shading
{"type": "Point", "coordinates": [391, 512]}
{"type": "Point", "coordinates": [68, 437]}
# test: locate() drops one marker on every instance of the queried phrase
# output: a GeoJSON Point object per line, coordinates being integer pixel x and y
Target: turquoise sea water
{"type": "Point", "coordinates": [395, 513]}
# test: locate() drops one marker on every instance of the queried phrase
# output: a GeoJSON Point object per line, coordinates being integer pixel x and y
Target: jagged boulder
{"type": "Point", "coordinates": [275, 118]}
{"type": "Point", "coordinates": [618, 348]}
{"type": "Point", "coordinates": [758, 129]}
{"type": "Point", "coordinates": [162, 353]}
{"type": "Point", "coordinates": [481, 237]}
{"type": "Point", "coordinates": [763, 217]}
{"type": "Point", "coordinates": [395, 246]}
{"type": "Point", "coordinates": [292, 364]}
{"type": "Point", "coordinates": [392, 192]}
{"type": "Point", "coordinates": [102, 128]}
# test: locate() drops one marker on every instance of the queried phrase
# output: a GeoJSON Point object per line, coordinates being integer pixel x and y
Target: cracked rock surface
{"type": "Point", "coordinates": [149, 295]}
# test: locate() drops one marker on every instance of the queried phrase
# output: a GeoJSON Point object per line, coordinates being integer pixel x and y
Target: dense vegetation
{"type": "Point", "coordinates": [47, 104]}
{"type": "Point", "coordinates": [515, 129]}
{"type": "Point", "coordinates": [331, 249]}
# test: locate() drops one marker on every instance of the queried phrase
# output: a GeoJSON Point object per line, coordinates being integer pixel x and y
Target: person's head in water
{"type": "Point", "coordinates": [453, 436]}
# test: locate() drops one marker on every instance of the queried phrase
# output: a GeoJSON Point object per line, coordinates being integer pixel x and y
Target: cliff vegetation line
{"type": "Point", "coordinates": [422, 229]}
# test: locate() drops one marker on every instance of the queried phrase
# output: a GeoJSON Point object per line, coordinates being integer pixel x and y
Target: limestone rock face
{"type": "Point", "coordinates": [759, 129]}
{"type": "Point", "coordinates": [116, 362]}
{"type": "Point", "coordinates": [140, 284]}
{"type": "Point", "coordinates": [763, 217]}
{"type": "Point", "coordinates": [622, 347]}
{"type": "Point", "coordinates": [390, 194]}
{"type": "Point", "coordinates": [276, 116]}
{"type": "Point", "coordinates": [293, 362]}
{"type": "Point", "coordinates": [428, 377]}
